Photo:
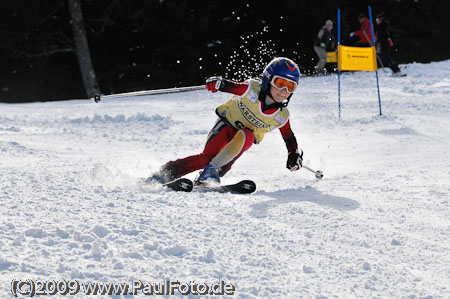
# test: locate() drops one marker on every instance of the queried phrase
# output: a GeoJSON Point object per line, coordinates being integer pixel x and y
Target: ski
{"type": "Point", "coordinates": [182, 184]}
{"type": "Point", "coordinates": [243, 187]}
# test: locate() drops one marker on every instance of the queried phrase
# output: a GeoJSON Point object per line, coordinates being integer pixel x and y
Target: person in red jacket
{"type": "Point", "coordinates": [257, 107]}
{"type": "Point", "coordinates": [365, 33]}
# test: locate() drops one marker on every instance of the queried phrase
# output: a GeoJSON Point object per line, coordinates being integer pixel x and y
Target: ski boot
{"type": "Point", "coordinates": [209, 175]}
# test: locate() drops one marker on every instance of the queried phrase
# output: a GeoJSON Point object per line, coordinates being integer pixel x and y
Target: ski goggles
{"type": "Point", "coordinates": [280, 83]}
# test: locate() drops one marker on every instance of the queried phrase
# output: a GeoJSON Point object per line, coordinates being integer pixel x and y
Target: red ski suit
{"type": "Point", "coordinates": [219, 141]}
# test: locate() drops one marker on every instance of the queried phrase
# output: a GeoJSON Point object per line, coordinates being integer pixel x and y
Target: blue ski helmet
{"type": "Point", "coordinates": [281, 66]}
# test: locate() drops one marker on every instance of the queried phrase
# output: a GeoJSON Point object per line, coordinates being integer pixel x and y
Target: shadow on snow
{"type": "Point", "coordinates": [298, 195]}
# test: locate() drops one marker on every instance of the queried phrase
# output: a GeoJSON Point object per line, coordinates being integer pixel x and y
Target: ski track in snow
{"type": "Point", "coordinates": [376, 226]}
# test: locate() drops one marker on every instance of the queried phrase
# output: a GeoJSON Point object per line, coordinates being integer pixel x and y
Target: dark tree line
{"type": "Point", "coordinates": [147, 44]}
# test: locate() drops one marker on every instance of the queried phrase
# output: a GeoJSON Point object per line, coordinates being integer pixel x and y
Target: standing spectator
{"type": "Point", "coordinates": [325, 41]}
{"type": "Point", "coordinates": [365, 33]}
{"type": "Point", "coordinates": [384, 44]}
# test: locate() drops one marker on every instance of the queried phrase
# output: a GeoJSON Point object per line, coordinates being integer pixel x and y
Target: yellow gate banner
{"type": "Point", "coordinates": [331, 57]}
{"type": "Point", "coordinates": [357, 58]}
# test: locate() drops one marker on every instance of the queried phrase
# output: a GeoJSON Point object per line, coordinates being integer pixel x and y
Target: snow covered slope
{"type": "Point", "coordinates": [377, 225]}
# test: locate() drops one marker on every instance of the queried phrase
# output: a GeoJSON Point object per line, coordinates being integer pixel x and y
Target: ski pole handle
{"type": "Point", "coordinates": [318, 173]}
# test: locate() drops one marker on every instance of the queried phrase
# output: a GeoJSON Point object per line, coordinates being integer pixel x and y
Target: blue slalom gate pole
{"type": "Point", "coordinates": [339, 71]}
{"type": "Point", "coordinates": [376, 71]}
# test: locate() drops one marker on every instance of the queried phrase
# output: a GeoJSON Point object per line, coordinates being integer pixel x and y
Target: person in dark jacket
{"type": "Point", "coordinates": [325, 41]}
{"type": "Point", "coordinates": [384, 44]}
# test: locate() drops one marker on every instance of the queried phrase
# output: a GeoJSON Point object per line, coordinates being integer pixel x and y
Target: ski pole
{"type": "Point", "coordinates": [318, 173]}
{"type": "Point", "coordinates": [97, 98]}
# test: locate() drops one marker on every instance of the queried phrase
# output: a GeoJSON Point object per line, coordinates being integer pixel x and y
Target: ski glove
{"type": "Point", "coordinates": [214, 84]}
{"type": "Point", "coordinates": [295, 160]}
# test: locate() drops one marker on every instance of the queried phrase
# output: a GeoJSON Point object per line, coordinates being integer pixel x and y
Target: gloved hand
{"type": "Point", "coordinates": [295, 160]}
{"type": "Point", "coordinates": [351, 34]}
{"type": "Point", "coordinates": [322, 45]}
{"type": "Point", "coordinates": [214, 84]}
{"type": "Point", "coordinates": [391, 43]}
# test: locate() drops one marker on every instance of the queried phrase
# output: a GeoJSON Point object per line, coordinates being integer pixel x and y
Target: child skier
{"type": "Point", "coordinates": [256, 108]}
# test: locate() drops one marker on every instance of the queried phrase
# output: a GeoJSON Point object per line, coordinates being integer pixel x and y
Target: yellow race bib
{"type": "Point", "coordinates": [246, 112]}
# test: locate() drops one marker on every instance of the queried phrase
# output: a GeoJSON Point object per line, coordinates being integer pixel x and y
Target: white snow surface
{"type": "Point", "coordinates": [376, 226]}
